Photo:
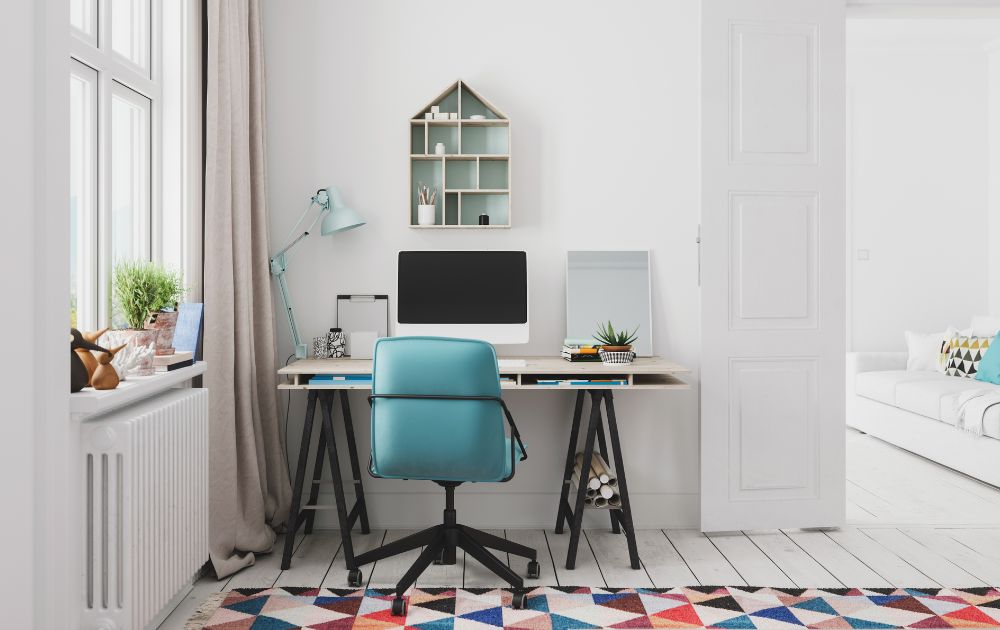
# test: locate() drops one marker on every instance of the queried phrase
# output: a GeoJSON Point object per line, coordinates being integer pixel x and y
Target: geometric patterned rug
{"type": "Point", "coordinates": [566, 607]}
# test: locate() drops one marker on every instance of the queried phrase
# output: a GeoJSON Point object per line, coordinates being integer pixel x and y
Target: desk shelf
{"type": "Point", "coordinates": [651, 373]}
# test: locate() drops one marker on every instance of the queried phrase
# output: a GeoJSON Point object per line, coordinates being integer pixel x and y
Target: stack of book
{"type": "Point", "coordinates": [171, 362]}
{"type": "Point", "coordinates": [580, 353]}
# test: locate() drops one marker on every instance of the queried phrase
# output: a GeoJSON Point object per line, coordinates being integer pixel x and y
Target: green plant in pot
{"type": "Point", "coordinates": [142, 292]}
{"type": "Point", "coordinates": [616, 345]}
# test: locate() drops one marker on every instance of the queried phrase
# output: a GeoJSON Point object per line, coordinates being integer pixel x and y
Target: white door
{"type": "Point", "coordinates": [773, 281]}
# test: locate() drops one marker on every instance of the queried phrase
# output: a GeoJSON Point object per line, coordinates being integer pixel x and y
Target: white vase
{"type": "Point", "coordinates": [425, 214]}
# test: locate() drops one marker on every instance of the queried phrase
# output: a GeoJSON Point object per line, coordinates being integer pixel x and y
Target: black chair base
{"type": "Point", "coordinates": [440, 544]}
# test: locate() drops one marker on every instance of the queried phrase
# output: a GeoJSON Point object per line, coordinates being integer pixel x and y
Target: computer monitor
{"type": "Point", "coordinates": [467, 294]}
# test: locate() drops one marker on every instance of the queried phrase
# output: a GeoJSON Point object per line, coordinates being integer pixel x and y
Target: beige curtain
{"type": "Point", "coordinates": [249, 490]}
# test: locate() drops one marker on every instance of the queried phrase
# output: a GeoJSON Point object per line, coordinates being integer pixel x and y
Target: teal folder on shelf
{"type": "Point", "coordinates": [347, 379]}
{"type": "Point", "coordinates": [581, 382]}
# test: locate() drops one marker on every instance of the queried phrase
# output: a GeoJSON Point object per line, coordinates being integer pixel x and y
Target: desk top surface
{"type": "Point", "coordinates": [533, 365]}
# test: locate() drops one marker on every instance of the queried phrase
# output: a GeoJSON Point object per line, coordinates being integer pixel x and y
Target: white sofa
{"type": "Point", "coordinates": [915, 410]}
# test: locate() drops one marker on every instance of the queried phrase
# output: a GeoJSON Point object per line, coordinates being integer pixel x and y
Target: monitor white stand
{"type": "Point", "coordinates": [511, 363]}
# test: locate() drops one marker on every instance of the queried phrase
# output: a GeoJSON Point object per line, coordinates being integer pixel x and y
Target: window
{"type": "Point", "coordinates": [131, 136]}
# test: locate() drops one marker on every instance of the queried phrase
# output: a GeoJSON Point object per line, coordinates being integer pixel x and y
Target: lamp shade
{"type": "Point", "coordinates": [340, 217]}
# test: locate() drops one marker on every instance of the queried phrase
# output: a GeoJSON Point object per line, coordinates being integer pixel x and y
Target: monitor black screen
{"type": "Point", "coordinates": [471, 287]}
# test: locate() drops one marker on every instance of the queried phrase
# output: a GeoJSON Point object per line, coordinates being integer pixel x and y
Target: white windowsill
{"type": "Point", "coordinates": [91, 402]}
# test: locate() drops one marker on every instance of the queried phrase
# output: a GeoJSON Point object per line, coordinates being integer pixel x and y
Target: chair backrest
{"type": "Point", "coordinates": [438, 439]}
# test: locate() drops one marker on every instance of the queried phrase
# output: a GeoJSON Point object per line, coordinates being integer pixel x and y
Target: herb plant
{"type": "Point", "coordinates": [142, 287]}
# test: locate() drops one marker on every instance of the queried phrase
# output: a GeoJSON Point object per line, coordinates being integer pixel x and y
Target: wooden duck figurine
{"type": "Point", "coordinates": [88, 358]}
{"type": "Point", "coordinates": [105, 376]}
{"type": "Point", "coordinates": [78, 376]}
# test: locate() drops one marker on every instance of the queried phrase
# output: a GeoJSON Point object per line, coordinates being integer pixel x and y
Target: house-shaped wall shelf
{"type": "Point", "coordinates": [472, 176]}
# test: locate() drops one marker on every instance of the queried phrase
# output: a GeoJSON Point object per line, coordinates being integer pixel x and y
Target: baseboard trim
{"type": "Point", "coordinates": [494, 510]}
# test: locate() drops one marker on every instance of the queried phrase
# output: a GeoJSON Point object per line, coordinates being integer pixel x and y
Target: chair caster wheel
{"type": "Point", "coordinates": [399, 607]}
{"type": "Point", "coordinates": [518, 601]}
{"type": "Point", "coordinates": [354, 577]}
{"type": "Point", "coordinates": [534, 570]}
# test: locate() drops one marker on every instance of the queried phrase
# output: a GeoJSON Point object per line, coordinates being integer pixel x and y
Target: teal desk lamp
{"type": "Point", "coordinates": [336, 217]}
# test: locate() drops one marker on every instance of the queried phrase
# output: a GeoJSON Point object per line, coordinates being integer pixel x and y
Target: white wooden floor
{"type": "Point", "coordinates": [912, 523]}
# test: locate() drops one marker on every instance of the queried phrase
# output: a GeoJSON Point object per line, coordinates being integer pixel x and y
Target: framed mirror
{"type": "Point", "coordinates": [613, 286]}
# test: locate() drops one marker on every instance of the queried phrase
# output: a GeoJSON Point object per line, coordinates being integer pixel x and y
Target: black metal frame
{"type": "Point", "coordinates": [327, 446]}
{"type": "Point", "coordinates": [621, 517]}
{"type": "Point", "coordinates": [441, 542]}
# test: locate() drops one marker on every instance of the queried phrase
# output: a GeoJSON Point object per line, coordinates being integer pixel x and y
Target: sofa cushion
{"type": "Point", "coordinates": [931, 398]}
{"type": "Point", "coordinates": [966, 353]}
{"type": "Point", "coordinates": [881, 386]}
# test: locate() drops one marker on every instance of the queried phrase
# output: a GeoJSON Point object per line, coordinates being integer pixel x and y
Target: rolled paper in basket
{"type": "Point", "coordinates": [588, 501]}
{"type": "Point", "coordinates": [576, 482]}
{"type": "Point", "coordinates": [607, 492]}
{"type": "Point", "coordinates": [615, 500]}
{"type": "Point", "coordinates": [600, 502]}
{"type": "Point", "coordinates": [602, 469]}
{"type": "Point", "coordinates": [592, 482]}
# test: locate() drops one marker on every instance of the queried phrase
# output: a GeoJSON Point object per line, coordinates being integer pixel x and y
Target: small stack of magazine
{"type": "Point", "coordinates": [580, 352]}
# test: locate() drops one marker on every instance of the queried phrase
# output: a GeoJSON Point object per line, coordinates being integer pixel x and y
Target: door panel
{"type": "Point", "coordinates": [773, 283]}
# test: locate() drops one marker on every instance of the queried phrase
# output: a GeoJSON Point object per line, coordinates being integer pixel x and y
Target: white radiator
{"type": "Point", "coordinates": [145, 501]}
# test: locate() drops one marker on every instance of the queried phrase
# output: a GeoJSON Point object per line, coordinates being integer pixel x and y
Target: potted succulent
{"type": "Point", "coordinates": [616, 345]}
{"type": "Point", "coordinates": [142, 290]}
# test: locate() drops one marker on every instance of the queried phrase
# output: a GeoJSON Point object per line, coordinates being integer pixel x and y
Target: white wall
{"type": "Point", "coordinates": [604, 108]}
{"type": "Point", "coordinates": [918, 169]}
{"type": "Point", "coordinates": [993, 231]}
{"type": "Point", "coordinates": [34, 378]}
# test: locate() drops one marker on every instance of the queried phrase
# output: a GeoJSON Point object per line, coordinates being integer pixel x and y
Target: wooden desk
{"type": "Point", "coordinates": [651, 373]}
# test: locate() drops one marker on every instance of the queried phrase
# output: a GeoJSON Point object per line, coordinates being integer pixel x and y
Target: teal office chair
{"type": "Point", "coordinates": [437, 415]}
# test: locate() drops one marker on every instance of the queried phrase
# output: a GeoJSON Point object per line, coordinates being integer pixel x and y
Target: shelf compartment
{"type": "Point", "coordinates": [451, 209]}
{"type": "Point", "coordinates": [460, 173]}
{"type": "Point", "coordinates": [494, 175]}
{"type": "Point", "coordinates": [443, 133]}
{"type": "Point", "coordinates": [418, 139]}
{"type": "Point", "coordinates": [430, 173]}
{"type": "Point", "coordinates": [472, 103]}
{"type": "Point", "coordinates": [484, 140]}
{"type": "Point", "coordinates": [496, 205]}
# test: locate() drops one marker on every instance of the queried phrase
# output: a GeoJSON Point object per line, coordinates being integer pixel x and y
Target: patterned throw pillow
{"type": "Point", "coordinates": [966, 353]}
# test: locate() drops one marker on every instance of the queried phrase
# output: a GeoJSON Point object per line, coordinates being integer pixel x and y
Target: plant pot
{"type": "Point", "coordinates": [616, 355]}
{"type": "Point", "coordinates": [164, 322]}
{"type": "Point", "coordinates": [425, 214]}
{"type": "Point", "coordinates": [137, 357]}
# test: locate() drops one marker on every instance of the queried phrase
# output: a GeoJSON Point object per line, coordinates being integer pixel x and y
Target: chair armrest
{"type": "Point", "coordinates": [513, 431]}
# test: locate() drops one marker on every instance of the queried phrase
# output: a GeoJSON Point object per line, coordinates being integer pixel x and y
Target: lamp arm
{"type": "Point", "coordinates": [279, 265]}
{"type": "Point", "coordinates": [300, 348]}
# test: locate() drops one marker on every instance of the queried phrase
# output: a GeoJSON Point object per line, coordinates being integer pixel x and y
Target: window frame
{"type": "Point", "coordinates": [172, 84]}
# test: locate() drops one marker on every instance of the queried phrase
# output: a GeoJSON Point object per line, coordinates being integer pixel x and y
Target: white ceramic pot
{"type": "Point", "coordinates": [425, 214]}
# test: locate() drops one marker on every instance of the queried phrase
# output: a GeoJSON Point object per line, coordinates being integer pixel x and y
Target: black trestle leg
{"type": "Point", "coordinates": [574, 433]}
{"type": "Point", "coordinates": [317, 476]}
{"type": "Point", "coordinates": [603, 447]}
{"type": "Point", "coordinates": [626, 509]}
{"type": "Point", "coordinates": [352, 449]}
{"type": "Point", "coordinates": [347, 546]}
{"type": "Point", "coordinates": [294, 515]}
{"type": "Point", "coordinates": [581, 492]}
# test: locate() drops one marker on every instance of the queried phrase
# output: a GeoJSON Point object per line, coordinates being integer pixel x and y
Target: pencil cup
{"type": "Point", "coordinates": [425, 214]}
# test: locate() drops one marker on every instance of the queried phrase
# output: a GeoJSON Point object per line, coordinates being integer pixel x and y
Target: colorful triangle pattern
{"type": "Point", "coordinates": [565, 608]}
